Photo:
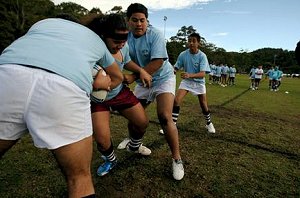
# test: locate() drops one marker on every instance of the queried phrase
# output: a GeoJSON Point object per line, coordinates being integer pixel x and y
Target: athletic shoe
{"type": "Point", "coordinates": [178, 170]}
{"type": "Point", "coordinates": [161, 132]}
{"type": "Point", "coordinates": [210, 128]}
{"type": "Point", "coordinates": [124, 143]}
{"type": "Point", "coordinates": [142, 150]}
{"type": "Point", "coordinates": [106, 167]}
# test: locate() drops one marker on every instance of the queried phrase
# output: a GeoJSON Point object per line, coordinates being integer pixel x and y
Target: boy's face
{"type": "Point", "coordinates": [115, 45]}
{"type": "Point", "coordinates": [137, 24]}
{"type": "Point", "coordinates": [193, 43]}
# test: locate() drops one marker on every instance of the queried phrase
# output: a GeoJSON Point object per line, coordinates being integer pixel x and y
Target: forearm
{"type": "Point", "coordinates": [115, 74]}
{"type": "Point", "coordinates": [197, 75]}
{"type": "Point", "coordinates": [153, 66]}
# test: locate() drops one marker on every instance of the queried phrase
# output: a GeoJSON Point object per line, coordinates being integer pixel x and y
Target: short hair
{"type": "Point", "coordinates": [136, 8]}
{"type": "Point", "coordinates": [195, 35]}
{"type": "Point", "coordinates": [113, 22]}
{"type": "Point", "coordinates": [106, 26]}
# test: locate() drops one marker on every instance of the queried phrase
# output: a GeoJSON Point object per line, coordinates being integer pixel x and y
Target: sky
{"type": "Point", "coordinates": [235, 25]}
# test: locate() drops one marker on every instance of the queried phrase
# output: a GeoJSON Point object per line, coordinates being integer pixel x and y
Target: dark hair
{"type": "Point", "coordinates": [136, 8]}
{"type": "Point", "coordinates": [105, 26]}
{"type": "Point", "coordinates": [195, 35]}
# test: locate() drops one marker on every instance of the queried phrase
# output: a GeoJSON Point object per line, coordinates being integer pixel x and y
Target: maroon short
{"type": "Point", "coordinates": [125, 99]}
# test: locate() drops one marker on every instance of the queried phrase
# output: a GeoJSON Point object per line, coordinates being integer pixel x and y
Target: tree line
{"type": "Point", "coordinates": [17, 16]}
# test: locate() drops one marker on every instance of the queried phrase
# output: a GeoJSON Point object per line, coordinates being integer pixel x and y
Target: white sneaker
{"type": "Point", "coordinates": [123, 144]}
{"type": "Point", "coordinates": [161, 131]}
{"type": "Point", "coordinates": [178, 170]}
{"type": "Point", "coordinates": [210, 128]}
{"type": "Point", "coordinates": [142, 150]}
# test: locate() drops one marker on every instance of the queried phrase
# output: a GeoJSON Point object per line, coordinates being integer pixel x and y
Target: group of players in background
{"type": "Point", "coordinates": [224, 75]}
{"type": "Point", "coordinates": [273, 74]}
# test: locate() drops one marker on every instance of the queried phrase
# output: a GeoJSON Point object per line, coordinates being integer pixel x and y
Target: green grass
{"type": "Point", "coordinates": [255, 152]}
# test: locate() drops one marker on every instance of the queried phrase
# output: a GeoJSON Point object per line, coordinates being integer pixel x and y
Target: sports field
{"type": "Point", "coordinates": [254, 153]}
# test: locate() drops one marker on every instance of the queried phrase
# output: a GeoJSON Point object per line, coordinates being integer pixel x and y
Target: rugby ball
{"type": "Point", "coordinates": [98, 95]}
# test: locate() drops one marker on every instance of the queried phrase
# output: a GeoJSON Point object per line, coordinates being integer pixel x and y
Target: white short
{"type": "Point", "coordinates": [53, 109]}
{"type": "Point", "coordinates": [151, 93]}
{"type": "Point", "coordinates": [193, 87]}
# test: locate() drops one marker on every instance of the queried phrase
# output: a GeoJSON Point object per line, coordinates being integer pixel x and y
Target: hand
{"type": "Point", "coordinates": [102, 81]}
{"type": "Point", "coordinates": [146, 78]}
{"type": "Point", "coordinates": [184, 75]}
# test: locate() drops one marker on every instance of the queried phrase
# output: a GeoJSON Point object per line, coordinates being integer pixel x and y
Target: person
{"type": "Point", "coordinates": [232, 72]}
{"type": "Point", "coordinates": [269, 75]}
{"type": "Point", "coordinates": [258, 73]}
{"type": "Point", "coordinates": [218, 74]}
{"type": "Point", "coordinates": [147, 48]}
{"type": "Point", "coordinates": [275, 77]}
{"type": "Point", "coordinates": [224, 72]}
{"type": "Point", "coordinates": [211, 74]}
{"type": "Point", "coordinates": [45, 84]}
{"type": "Point", "coordinates": [252, 78]}
{"type": "Point", "coordinates": [195, 65]}
{"type": "Point", "coordinates": [114, 33]}
{"type": "Point", "coordinates": [280, 75]}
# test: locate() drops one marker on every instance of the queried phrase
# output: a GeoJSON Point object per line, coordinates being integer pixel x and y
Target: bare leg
{"type": "Point", "coordinates": [164, 113]}
{"type": "Point", "coordinates": [101, 129]}
{"type": "Point", "coordinates": [203, 102]}
{"type": "Point", "coordinates": [138, 120]}
{"type": "Point", "coordinates": [75, 161]}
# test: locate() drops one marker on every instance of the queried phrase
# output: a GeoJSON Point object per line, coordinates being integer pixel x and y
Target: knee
{"type": "Point", "coordinates": [164, 119]}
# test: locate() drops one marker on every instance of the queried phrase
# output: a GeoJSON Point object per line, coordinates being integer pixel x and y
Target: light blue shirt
{"type": "Point", "coordinates": [252, 72]}
{"type": "Point", "coordinates": [218, 71]}
{"type": "Point", "coordinates": [126, 58]}
{"type": "Point", "coordinates": [270, 73]}
{"type": "Point", "coordinates": [225, 70]}
{"type": "Point", "coordinates": [193, 63]}
{"type": "Point", "coordinates": [275, 74]}
{"type": "Point", "coordinates": [151, 46]}
{"type": "Point", "coordinates": [63, 47]}
{"type": "Point", "coordinates": [232, 71]}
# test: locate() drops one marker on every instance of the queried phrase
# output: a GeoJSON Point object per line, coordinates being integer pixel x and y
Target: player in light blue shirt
{"type": "Point", "coordinates": [147, 48]}
{"type": "Point", "coordinates": [275, 78]}
{"type": "Point", "coordinates": [269, 74]}
{"type": "Point", "coordinates": [114, 33]}
{"type": "Point", "coordinates": [194, 64]}
{"type": "Point", "coordinates": [232, 72]}
{"type": "Point", "coordinates": [218, 74]}
{"type": "Point", "coordinates": [252, 78]}
{"type": "Point", "coordinates": [45, 82]}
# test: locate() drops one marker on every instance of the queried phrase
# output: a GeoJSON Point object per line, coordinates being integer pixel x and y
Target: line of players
{"type": "Point", "coordinates": [222, 74]}
{"type": "Point", "coordinates": [273, 74]}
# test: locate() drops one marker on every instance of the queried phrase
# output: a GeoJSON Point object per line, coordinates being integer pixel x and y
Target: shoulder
{"type": "Point", "coordinates": [202, 54]}
{"type": "Point", "coordinates": [153, 32]}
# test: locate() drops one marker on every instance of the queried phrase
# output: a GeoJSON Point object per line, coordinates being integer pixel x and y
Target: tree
{"type": "Point", "coordinates": [17, 16]}
{"type": "Point", "coordinates": [182, 34]}
{"type": "Point", "coordinates": [115, 10]}
{"type": "Point", "coordinates": [72, 8]}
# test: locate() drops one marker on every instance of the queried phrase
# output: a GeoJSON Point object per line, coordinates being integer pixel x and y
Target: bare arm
{"type": "Point", "coordinates": [115, 74]}
{"type": "Point", "coordinates": [154, 65]}
{"type": "Point", "coordinates": [143, 75]}
{"type": "Point", "coordinates": [185, 75]}
{"type": "Point", "coordinates": [115, 77]}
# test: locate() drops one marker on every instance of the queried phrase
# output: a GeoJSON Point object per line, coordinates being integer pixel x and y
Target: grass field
{"type": "Point", "coordinates": [254, 153]}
